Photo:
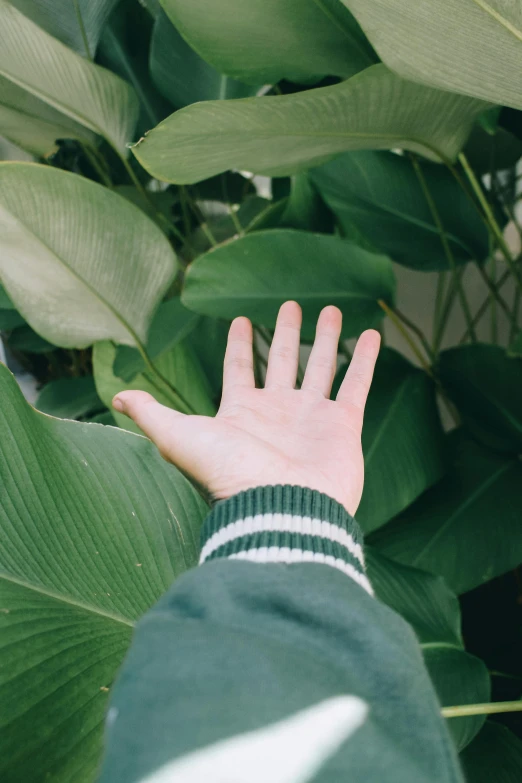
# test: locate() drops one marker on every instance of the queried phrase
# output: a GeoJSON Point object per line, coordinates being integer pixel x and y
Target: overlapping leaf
{"type": "Point", "coordinates": [80, 263]}
{"type": "Point", "coordinates": [248, 277]}
{"type": "Point", "coordinates": [94, 527]}
{"type": "Point", "coordinates": [279, 135]}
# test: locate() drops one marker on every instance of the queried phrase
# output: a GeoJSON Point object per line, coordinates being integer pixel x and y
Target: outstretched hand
{"type": "Point", "coordinates": [275, 435]}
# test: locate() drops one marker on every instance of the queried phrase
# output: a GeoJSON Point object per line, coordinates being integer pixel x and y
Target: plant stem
{"type": "Point", "coordinates": [494, 292]}
{"type": "Point", "coordinates": [99, 169]}
{"type": "Point", "coordinates": [439, 301]}
{"type": "Point", "coordinates": [484, 306]}
{"type": "Point", "coordinates": [490, 217]}
{"type": "Point", "coordinates": [197, 212]}
{"type": "Point", "coordinates": [168, 224]}
{"type": "Point", "coordinates": [482, 709]}
{"type": "Point", "coordinates": [173, 393]}
{"type": "Point", "coordinates": [395, 318]}
{"type": "Point", "coordinates": [445, 244]}
{"type": "Point", "coordinates": [82, 29]}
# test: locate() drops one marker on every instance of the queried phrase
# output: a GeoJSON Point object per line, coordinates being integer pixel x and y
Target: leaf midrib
{"type": "Point", "coordinates": [66, 600]}
{"type": "Point", "coordinates": [76, 275]}
{"type": "Point", "coordinates": [499, 18]}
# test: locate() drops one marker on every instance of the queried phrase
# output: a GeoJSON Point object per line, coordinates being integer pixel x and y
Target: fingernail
{"type": "Point", "coordinates": [117, 404]}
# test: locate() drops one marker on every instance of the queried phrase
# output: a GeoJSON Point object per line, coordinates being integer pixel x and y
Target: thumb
{"type": "Point", "coordinates": [155, 420]}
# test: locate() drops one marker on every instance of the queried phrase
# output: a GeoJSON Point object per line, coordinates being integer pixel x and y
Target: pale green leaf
{"type": "Point", "coordinates": [472, 47]}
{"type": "Point", "coordinates": [79, 262]}
{"type": "Point", "coordinates": [467, 527]}
{"type": "Point", "coordinates": [60, 19]}
{"type": "Point", "coordinates": [266, 40]}
{"type": "Point", "coordinates": [403, 440]}
{"type": "Point", "coordinates": [178, 365]}
{"type": "Point", "coordinates": [279, 135]}
{"type": "Point", "coordinates": [380, 195]}
{"type": "Point", "coordinates": [89, 95]}
{"type": "Point", "coordinates": [494, 755]}
{"type": "Point", "coordinates": [486, 386]}
{"type": "Point", "coordinates": [33, 124]}
{"type": "Point", "coordinates": [94, 527]}
{"type": "Point", "coordinates": [69, 398]}
{"type": "Point", "coordinates": [255, 274]}
{"type": "Point", "coordinates": [182, 76]}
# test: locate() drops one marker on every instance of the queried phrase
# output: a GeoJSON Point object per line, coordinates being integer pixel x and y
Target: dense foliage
{"type": "Point", "coordinates": [390, 132]}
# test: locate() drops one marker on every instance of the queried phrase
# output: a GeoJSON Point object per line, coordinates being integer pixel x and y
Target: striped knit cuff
{"type": "Point", "coordinates": [285, 524]}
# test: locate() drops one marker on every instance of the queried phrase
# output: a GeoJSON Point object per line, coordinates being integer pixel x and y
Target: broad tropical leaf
{"type": "Point", "coordinates": [424, 600]}
{"type": "Point", "coordinates": [459, 678]}
{"type": "Point", "coordinates": [477, 501]}
{"type": "Point", "coordinates": [486, 386]}
{"type": "Point", "coordinates": [380, 195]}
{"type": "Point", "coordinates": [94, 527]}
{"type": "Point", "coordinates": [60, 19]}
{"type": "Point", "coordinates": [515, 349]}
{"type": "Point", "coordinates": [41, 65]}
{"type": "Point", "coordinates": [248, 277]}
{"type": "Point", "coordinates": [182, 76]}
{"type": "Point", "coordinates": [280, 135]}
{"type": "Point", "coordinates": [403, 440]}
{"type": "Point", "coordinates": [69, 398]}
{"type": "Point", "coordinates": [468, 46]}
{"type": "Point", "coordinates": [23, 338]}
{"type": "Point", "coordinates": [495, 754]}
{"type": "Point", "coordinates": [178, 365]}
{"type": "Point", "coordinates": [266, 40]}
{"type": "Point", "coordinates": [433, 611]}
{"type": "Point", "coordinates": [33, 124]}
{"type": "Point", "coordinates": [97, 272]}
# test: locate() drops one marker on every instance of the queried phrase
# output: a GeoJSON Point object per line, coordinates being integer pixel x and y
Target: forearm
{"type": "Point", "coordinates": [279, 619]}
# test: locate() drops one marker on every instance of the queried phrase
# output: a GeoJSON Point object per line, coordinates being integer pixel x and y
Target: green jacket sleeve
{"type": "Point", "coordinates": [272, 662]}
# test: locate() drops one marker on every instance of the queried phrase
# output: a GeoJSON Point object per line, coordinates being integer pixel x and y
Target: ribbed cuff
{"type": "Point", "coordinates": [285, 524]}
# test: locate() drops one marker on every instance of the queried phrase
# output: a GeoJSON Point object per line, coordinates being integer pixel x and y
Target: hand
{"type": "Point", "coordinates": [275, 435]}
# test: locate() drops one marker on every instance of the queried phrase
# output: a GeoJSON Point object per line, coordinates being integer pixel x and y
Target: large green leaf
{"type": "Point", "coordinates": [69, 398]}
{"type": "Point", "coordinates": [403, 440]}
{"type": "Point", "coordinates": [459, 678]}
{"type": "Point", "coordinates": [254, 275]}
{"type": "Point", "coordinates": [182, 76]}
{"type": "Point", "coordinates": [41, 65]}
{"type": "Point", "coordinates": [424, 600]}
{"type": "Point", "coordinates": [432, 609]}
{"type": "Point", "coordinates": [486, 386]}
{"type": "Point", "coordinates": [266, 40]}
{"type": "Point", "coordinates": [470, 46]}
{"type": "Point", "coordinates": [94, 527]}
{"type": "Point", "coordinates": [80, 263]}
{"type": "Point", "coordinates": [279, 135]}
{"type": "Point", "coordinates": [380, 194]}
{"type": "Point", "coordinates": [33, 124]}
{"type": "Point", "coordinates": [60, 19]}
{"type": "Point", "coordinates": [467, 527]}
{"type": "Point", "coordinates": [495, 755]}
{"type": "Point", "coordinates": [178, 365]}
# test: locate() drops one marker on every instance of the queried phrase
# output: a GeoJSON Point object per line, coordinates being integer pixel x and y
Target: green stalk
{"type": "Point", "coordinates": [99, 169]}
{"type": "Point", "coordinates": [439, 301]}
{"type": "Point", "coordinates": [484, 306]}
{"type": "Point", "coordinates": [172, 392]}
{"type": "Point", "coordinates": [82, 29]}
{"type": "Point", "coordinates": [445, 244]}
{"type": "Point", "coordinates": [496, 708]}
{"type": "Point", "coordinates": [395, 318]}
{"type": "Point", "coordinates": [493, 302]}
{"type": "Point", "coordinates": [490, 217]}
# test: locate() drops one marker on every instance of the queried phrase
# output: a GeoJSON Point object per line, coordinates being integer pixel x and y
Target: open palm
{"type": "Point", "coordinates": [274, 435]}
